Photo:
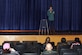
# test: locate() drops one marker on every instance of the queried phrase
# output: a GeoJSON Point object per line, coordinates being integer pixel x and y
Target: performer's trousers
{"type": "Point", "coordinates": [51, 27]}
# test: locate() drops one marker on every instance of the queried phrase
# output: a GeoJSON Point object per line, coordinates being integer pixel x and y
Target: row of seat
{"type": "Point", "coordinates": [65, 50]}
{"type": "Point", "coordinates": [29, 47]}
{"type": "Point", "coordinates": [25, 46]}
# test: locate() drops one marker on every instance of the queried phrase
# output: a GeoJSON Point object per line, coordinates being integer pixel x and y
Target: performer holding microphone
{"type": "Point", "coordinates": [50, 14]}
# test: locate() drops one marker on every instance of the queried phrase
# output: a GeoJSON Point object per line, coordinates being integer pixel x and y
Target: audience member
{"type": "Point", "coordinates": [62, 43]}
{"type": "Point", "coordinates": [48, 49]}
{"type": "Point", "coordinates": [76, 42]}
{"type": "Point", "coordinates": [46, 41]}
{"type": "Point", "coordinates": [8, 50]}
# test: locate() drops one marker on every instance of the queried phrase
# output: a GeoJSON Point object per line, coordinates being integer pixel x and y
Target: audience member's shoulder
{"type": "Point", "coordinates": [54, 51]}
{"type": "Point", "coordinates": [47, 52]}
{"type": "Point", "coordinates": [15, 52]}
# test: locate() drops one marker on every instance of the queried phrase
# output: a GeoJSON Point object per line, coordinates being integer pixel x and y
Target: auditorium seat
{"type": "Point", "coordinates": [69, 42]}
{"type": "Point", "coordinates": [62, 47]}
{"type": "Point", "coordinates": [79, 51]}
{"type": "Point", "coordinates": [30, 42]}
{"type": "Point", "coordinates": [65, 50]}
{"type": "Point", "coordinates": [9, 54]}
{"type": "Point", "coordinates": [29, 53]}
{"type": "Point", "coordinates": [49, 54]}
{"type": "Point", "coordinates": [77, 47]}
{"type": "Point", "coordinates": [40, 48]}
{"type": "Point", "coordinates": [31, 46]}
{"type": "Point", "coordinates": [20, 48]}
{"type": "Point", "coordinates": [70, 53]}
{"type": "Point", "coordinates": [0, 51]}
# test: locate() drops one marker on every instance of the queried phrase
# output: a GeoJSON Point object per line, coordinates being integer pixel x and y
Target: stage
{"type": "Point", "coordinates": [36, 32]}
{"type": "Point", "coordinates": [33, 35]}
{"type": "Point", "coordinates": [39, 38]}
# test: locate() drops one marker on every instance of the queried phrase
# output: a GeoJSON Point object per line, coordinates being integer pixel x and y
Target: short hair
{"type": "Point", "coordinates": [77, 39]}
{"type": "Point", "coordinates": [50, 6]}
{"type": "Point", "coordinates": [63, 40]}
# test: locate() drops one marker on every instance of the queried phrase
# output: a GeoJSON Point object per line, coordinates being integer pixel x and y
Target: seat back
{"type": "Point", "coordinates": [62, 47]}
{"type": "Point", "coordinates": [70, 53]}
{"type": "Point", "coordinates": [31, 46]}
{"type": "Point", "coordinates": [20, 48]}
{"type": "Point", "coordinates": [65, 50]}
{"type": "Point", "coordinates": [49, 54]}
{"type": "Point", "coordinates": [29, 53]}
{"type": "Point", "coordinates": [79, 51]}
{"type": "Point", "coordinates": [9, 54]}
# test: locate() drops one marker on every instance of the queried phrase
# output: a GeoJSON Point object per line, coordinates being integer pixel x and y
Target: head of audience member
{"type": "Point", "coordinates": [48, 47]}
{"type": "Point", "coordinates": [77, 40]}
{"type": "Point", "coordinates": [6, 48]}
{"type": "Point", "coordinates": [47, 40]}
{"type": "Point", "coordinates": [63, 40]}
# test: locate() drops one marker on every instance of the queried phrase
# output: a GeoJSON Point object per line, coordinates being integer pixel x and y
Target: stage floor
{"type": "Point", "coordinates": [38, 38]}
{"type": "Point", "coordinates": [36, 32]}
{"type": "Point", "coordinates": [33, 35]}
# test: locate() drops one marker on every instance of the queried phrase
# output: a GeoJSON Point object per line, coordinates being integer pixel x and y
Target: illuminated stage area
{"type": "Point", "coordinates": [33, 35]}
{"type": "Point", "coordinates": [39, 38]}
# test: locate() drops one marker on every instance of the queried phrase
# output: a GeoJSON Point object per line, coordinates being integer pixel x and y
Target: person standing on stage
{"type": "Point", "coordinates": [50, 14]}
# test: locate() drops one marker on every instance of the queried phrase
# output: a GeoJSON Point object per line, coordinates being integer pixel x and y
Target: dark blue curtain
{"type": "Point", "coordinates": [26, 14]}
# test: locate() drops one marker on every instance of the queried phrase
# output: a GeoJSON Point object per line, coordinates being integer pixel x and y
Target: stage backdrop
{"type": "Point", "coordinates": [26, 14]}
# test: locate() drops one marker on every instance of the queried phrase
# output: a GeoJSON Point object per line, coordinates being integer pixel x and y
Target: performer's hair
{"type": "Point", "coordinates": [51, 6]}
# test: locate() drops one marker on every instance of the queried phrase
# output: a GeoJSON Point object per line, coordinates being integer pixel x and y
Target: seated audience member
{"type": "Point", "coordinates": [48, 49]}
{"type": "Point", "coordinates": [46, 41]}
{"type": "Point", "coordinates": [76, 42]}
{"type": "Point", "coordinates": [62, 43]}
{"type": "Point", "coordinates": [8, 50]}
